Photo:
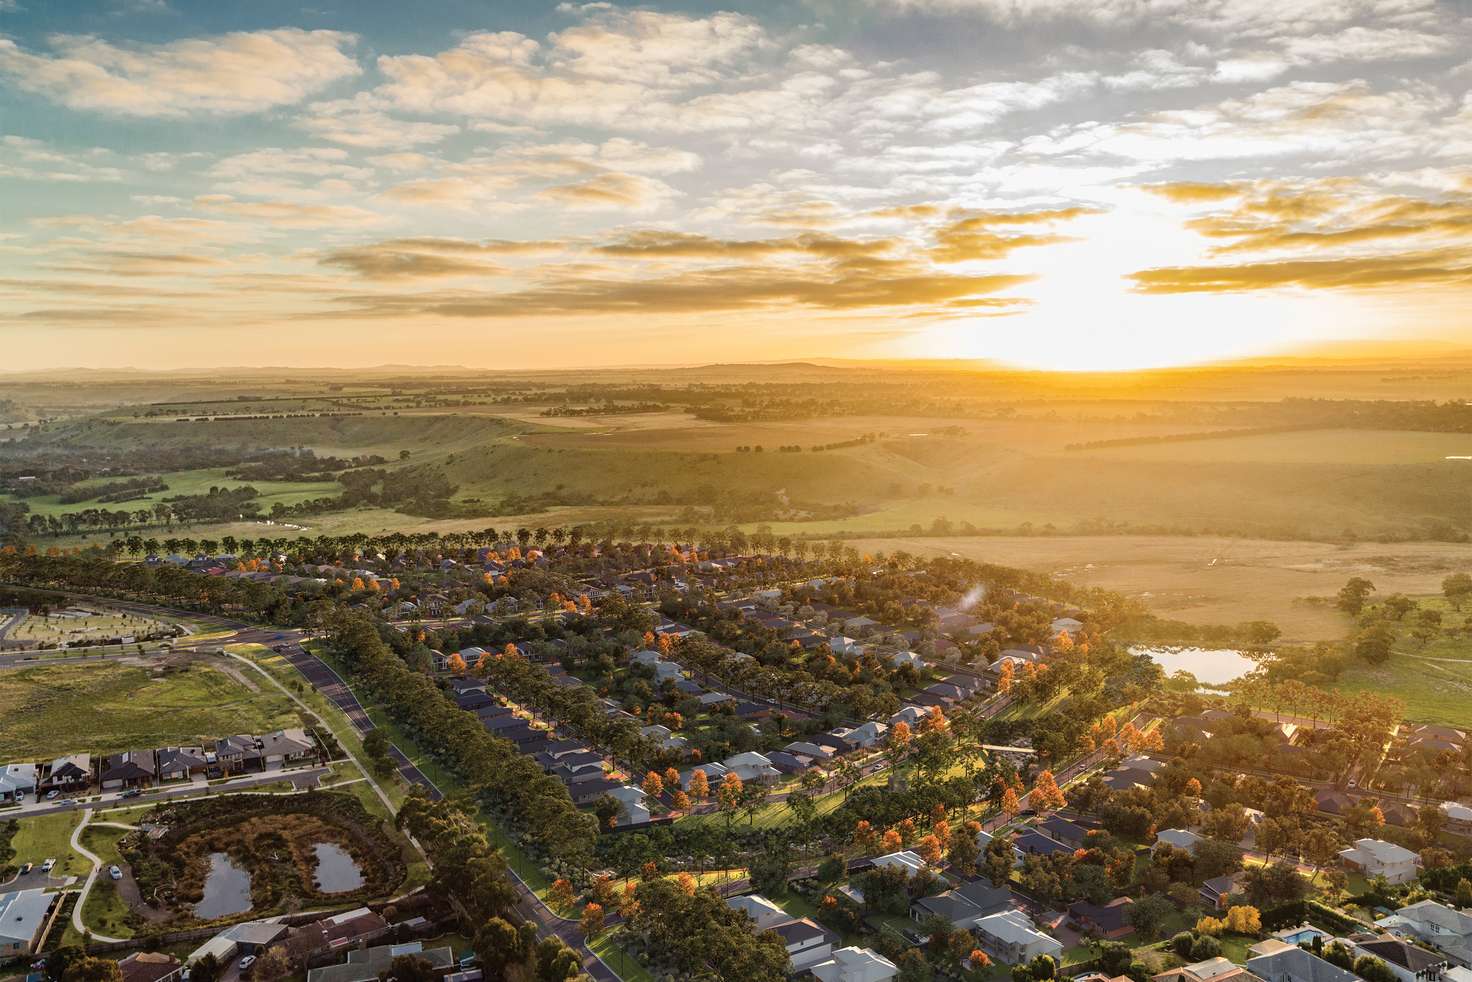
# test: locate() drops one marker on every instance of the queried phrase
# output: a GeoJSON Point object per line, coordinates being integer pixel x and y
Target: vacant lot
{"type": "Point", "coordinates": [1213, 580]}
{"type": "Point", "coordinates": [112, 706]}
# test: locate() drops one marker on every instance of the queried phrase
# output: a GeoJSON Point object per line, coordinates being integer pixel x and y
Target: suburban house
{"type": "Point", "coordinates": [1216, 891]}
{"type": "Point", "coordinates": [964, 905]}
{"type": "Point", "coordinates": [16, 780]}
{"type": "Point", "coordinates": [1406, 961]}
{"type": "Point", "coordinates": [127, 770]}
{"type": "Point", "coordinates": [283, 747]}
{"type": "Point", "coordinates": [151, 966]}
{"type": "Point", "coordinates": [802, 748]}
{"type": "Point", "coordinates": [713, 774]}
{"type": "Point", "coordinates": [1133, 772]}
{"type": "Point", "coordinates": [631, 802]}
{"type": "Point", "coordinates": [1065, 625]}
{"type": "Point", "coordinates": [368, 964]}
{"type": "Point", "coordinates": [1458, 817]}
{"type": "Point", "coordinates": [855, 965]}
{"type": "Point", "coordinates": [69, 772]}
{"type": "Point", "coordinates": [22, 914]}
{"type": "Point", "coordinates": [866, 735]}
{"type": "Point", "coordinates": [180, 763]}
{"type": "Point", "coordinates": [1375, 857]}
{"type": "Point", "coordinates": [909, 861]}
{"type": "Point", "coordinates": [1010, 937]}
{"type": "Point", "coordinates": [237, 753]}
{"type": "Point", "coordinates": [808, 943]}
{"type": "Point", "coordinates": [1109, 920]}
{"type": "Point", "coordinates": [907, 658]}
{"type": "Point", "coordinates": [1444, 928]}
{"type": "Point", "coordinates": [1212, 970]}
{"type": "Point", "coordinates": [1180, 838]}
{"type": "Point", "coordinates": [751, 766]}
{"type": "Point", "coordinates": [763, 913]}
{"type": "Point", "coordinates": [1278, 961]}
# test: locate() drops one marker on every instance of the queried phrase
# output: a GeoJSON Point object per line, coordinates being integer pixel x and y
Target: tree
{"type": "Point", "coordinates": [1149, 914]}
{"type": "Point", "coordinates": [1046, 795]}
{"type": "Point", "coordinates": [561, 894]}
{"type": "Point", "coordinates": [206, 969]}
{"type": "Point", "coordinates": [653, 784]}
{"type": "Point", "coordinates": [964, 851]}
{"type": "Point", "coordinates": [1372, 969]}
{"type": "Point", "coordinates": [1204, 947]}
{"type": "Point", "coordinates": [699, 785]}
{"type": "Point", "coordinates": [997, 864]}
{"type": "Point", "coordinates": [680, 801]}
{"type": "Point", "coordinates": [1206, 925]}
{"type": "Point", "coordinates": [275, 965]}
{"type": "Point", "coordinates": [1457, 588]}
{"type": "Point", "coordinates": [1010, 804]}
{"type": "Point", "coordinates": [456, 663]}
{"type": "Point", "coordinates": [1352, 595]}
{"type": "Point", "coordinates": [1244, 920]}
{"type": "Point", "coordinates": [1464, 892]}
{"type": "Point", "coordinates": [90, 969]}
{"type": "Point", "coordinates": [592, 920]}
{"type": "Point", "coordinates": [1374, 642]}
{"type": "Point", "coordinates": [404, 968]}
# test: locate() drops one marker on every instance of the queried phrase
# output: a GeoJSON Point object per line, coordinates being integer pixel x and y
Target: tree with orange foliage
{"type": "Point", "coordinates": [456, 662]}
{"type": "Point", "coordinates": [979, 960]}
{"type": "Point", "coordinates": [560, 893]}
{"type": "Point", "coordinates": [482, 659]}
{"type": "Point", "coordinates": [899, 735]}
{"type": "Point", "coordinates": [865, 838]}
{"type": "Point", "coordinates": [892, 840]}
{"type": "Point", "coordinates": [1004, 678]}
{"type": "Point", "coordinates": [935, 721]}
{"type": "Point", "coordinates": [1010, 805]}
{"type": "Point", "coordinates": [666, 644]}
{"type": "Point", "coordinates": [1193, 788]}
{"type": "Point", "coordinates": [1046, 795]}
{"type": "Point", "coordinates": [1063, 642]}
{"type": "Point", "coordinates": [671, 778]}
{"type": "Point", "coordinates": [907, 829]}
{"type": "Point", "coordinates": [357, 584]}
{"type": "Point", "coordinates": [699, 786]}
{"type": "Point", "coordinates": [592, 920]}
{"type": "Point", "coordinates": [728, 797]}
{"type": "Point", "coordinates": [942, 832]}
{"type": "Point", "coordinates": [681, 801]}
{"type": "Point", "coordinates": [686, 882]}
{"type": "Point", "coordinates": [653, 784]}
{"type": "Point", "coordinates": [509, 651]}
{"type": "Point", "coordinates": [930, 850]}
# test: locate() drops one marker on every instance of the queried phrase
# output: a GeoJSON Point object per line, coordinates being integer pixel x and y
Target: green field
{"type": "Point", "coordinates": [1434, 681]}
{"type": "Point", "coordinates": [49, 837]}
{"type": "Point", "coordinates": [100, 708]}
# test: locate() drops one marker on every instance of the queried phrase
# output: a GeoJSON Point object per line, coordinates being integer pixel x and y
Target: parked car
{"type": "Point", "coordinates": [46, 866]}
{"type": "Point", "coordinates": [52, 794]}
{"type": "Point", "coordinates": [247, 962]}
{"type": "Point", "coordinates": [114, 872]}
{"type": "Point", "coordinates": [26, 869]}
{"type": "Point", "coordinates": [131, 793]}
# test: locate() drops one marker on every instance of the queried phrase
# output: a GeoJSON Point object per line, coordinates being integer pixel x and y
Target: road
{"type": "Point", "coordinates": [301, 777]}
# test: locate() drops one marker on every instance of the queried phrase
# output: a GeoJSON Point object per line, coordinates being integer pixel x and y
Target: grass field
{"type": "Point", "coordinates": [49, 837]}
{"type": "Point", "coordinates": [57, 709]}
{"type": "Point", "coordinates": [1214, 580]}
{"type": "Point", "coordinates": [1435, 682]}
{"type": "Point", "coordinates": [105, 912]}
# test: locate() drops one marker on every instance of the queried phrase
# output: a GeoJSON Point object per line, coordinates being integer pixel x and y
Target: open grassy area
{"type": "Point", "coordinates": [105, 912]}
{"type": "Point", "coordinates": [56, 709]}
{"type": "Point", "coordinates": [49, 837]}
{"type": "Point", "coordinates": [1434, 681]}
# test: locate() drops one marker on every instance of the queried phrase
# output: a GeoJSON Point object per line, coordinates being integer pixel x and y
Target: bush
{"type": "Point", "coordinates": [1205, 947]}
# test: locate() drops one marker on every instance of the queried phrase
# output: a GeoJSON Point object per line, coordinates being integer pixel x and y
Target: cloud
{"type": "Point", "coordinates": [1360, 273]}
{"type": "Point", "coordinates": [385, 263]}
{"type": "Point", "coordinates": [26, 159]}
{"type": "Point", "coordinates": [287, 214]}
{"type": "Point", "coordinates": [607, 68]}
{"type": "Point", "coordinates": [664, 244]}
{"type": "Point", "coordinates": [229, 74]}
{"type": "Point", "coordinates": [1240, 17]}
{"type": "Point", "coordinates": [976, 238]}
{"type": "Point", "coordinates": [631, 192]}
{"type": "Point", "coordinates": [356, 123]}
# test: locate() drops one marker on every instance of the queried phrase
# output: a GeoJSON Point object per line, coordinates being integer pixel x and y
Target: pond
{"type": "Point", "coordinates": [337, 871]}
{"type": "Point", "coordinates": [1210, 666]}
{"type": "Point", "coordinates": [226, 889]}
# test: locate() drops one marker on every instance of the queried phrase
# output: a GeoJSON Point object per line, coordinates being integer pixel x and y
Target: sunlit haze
{"type": "Point", "coordinates": [1057, 184]}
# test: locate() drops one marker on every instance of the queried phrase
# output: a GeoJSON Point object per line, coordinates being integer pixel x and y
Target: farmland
{"type": "Point", "coordinates": [113, 706]}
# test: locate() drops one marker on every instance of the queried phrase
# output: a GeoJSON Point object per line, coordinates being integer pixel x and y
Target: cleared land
{"type": "Point", "coordinates": [1214, 580]}
{"type": "Point", "coordinates": [112, 706]}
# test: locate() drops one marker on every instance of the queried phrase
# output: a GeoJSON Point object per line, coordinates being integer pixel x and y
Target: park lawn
{"type": "Point", "coordinates": [628, 967]}
{"type": "Point", "coordinates": [106, 707]}
{"type": "Point", "coordinates": [49, 837]}
{"type": "Point", "coordinates": [105, 912]}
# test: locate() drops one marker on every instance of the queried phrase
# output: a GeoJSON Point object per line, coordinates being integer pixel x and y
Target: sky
{"type": "Point", "coordinates": [1058, 184]}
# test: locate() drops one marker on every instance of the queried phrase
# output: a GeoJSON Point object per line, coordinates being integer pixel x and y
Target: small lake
{"type": "Point", "coordinates": [1210, 666]}
{"type": "Point", "coordinates": [337, 871]}
{"type": "Point", "coordinates": [226, 889]}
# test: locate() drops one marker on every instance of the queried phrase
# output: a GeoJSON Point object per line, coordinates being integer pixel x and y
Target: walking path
{"type": "Point", "coordinates": [96, 862]}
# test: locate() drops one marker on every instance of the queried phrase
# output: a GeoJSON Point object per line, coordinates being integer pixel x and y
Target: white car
{"type": "Point", "coordinates": [52, 794]}
{"type": "Point", "coordinates": [247, 962]}
{"type": "Point", "coordinates": [46, 866]}
{"type": "Point", "coordinates": [114, 872]}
